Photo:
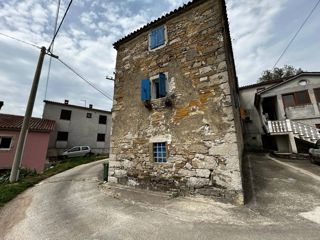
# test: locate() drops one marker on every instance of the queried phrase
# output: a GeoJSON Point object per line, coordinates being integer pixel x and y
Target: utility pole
{"type": "Point", "coordinates": [14, 175]}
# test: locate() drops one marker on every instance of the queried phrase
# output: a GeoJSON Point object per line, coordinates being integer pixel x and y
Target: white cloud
{"type": "Point", "coordinates": [91, 27]}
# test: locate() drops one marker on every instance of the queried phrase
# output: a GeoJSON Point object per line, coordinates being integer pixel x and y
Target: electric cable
{"type": "Point", "coordinates": [19, 40]}
{"type": "Point", "coordinates": [87, 81]}
{"type": "Point", "coordinates": [296, 34]}
{"type": "Point", "coordinates": [56, 33]}
{"type": "Point", "coordinates": [51, 50]}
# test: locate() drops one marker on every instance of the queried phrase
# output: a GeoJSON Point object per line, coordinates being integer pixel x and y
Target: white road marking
{"type": "Point", "coordinates": [300, 170]}
{"type": "Point", "coordinates": [313, 215]}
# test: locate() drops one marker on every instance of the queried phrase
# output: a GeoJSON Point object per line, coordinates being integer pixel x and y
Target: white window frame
{"type": "Point", "coordinates": [11, 143]}
{"type": "Point", "coordinates": [165, 39]}
{"type": "Point", "coordinates": [166, 152]}
{"type": "Point", "coordinates": [152, 89]}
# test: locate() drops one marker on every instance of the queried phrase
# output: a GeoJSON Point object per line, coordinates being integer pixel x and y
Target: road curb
{"type": "Point", "coordinates": [300, 170]}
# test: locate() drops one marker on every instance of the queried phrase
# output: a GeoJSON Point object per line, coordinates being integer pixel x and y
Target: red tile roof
{"type": "Point", "coordinates": [13, 122]}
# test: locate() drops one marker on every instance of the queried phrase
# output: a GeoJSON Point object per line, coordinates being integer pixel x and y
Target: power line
{"type": "Point", "coordinates": [56, 33]}
{"type": "Point", "coordinates": [296, 34]}
{"type": "Point", "coordinates": [50, 60]}
{"type": "Point", "coordinates": [87, 81]}
{"type": "Point", "coordinates": [19, 40]}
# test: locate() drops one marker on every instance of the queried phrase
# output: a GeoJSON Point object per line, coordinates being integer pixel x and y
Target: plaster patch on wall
{"type": "Point", "coordinates": [161, 138]}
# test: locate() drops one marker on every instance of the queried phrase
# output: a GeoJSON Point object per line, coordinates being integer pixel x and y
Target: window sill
{"type": "Point", "coordinates": [299, 106]}
{"type": "Point", "coordinates": [164, 102]}
{"type": "Point", "coordinates": [157, 48]}
{"type": "Point", "coordinates": [5, 149]}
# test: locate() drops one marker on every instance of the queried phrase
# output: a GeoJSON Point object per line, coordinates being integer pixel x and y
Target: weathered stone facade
{"type": "Point", "coordinates": [199, 117]}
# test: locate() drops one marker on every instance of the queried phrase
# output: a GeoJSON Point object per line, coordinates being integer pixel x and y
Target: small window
{"type": "Point", "coordinates": [160, 152]}
{"type": "Point", "coordinates": [101, 137]}
{"type": "Point", "coordinates": [5, 142]}
{"type": "Point", "coordinates": [62, 136]}
{"type": "Point", "coordinates": [158, 86]}
{"type": "Point", "coordinates": [157, 37]}
{"type": "Point", "coordinates": [85, 148]}
{"type": "Point", "coordinates": [303, 82]}
{"type": "Point", "coordinates": [296, 99]}
{"type": "Point", "coordinates": [89, 115]}
{"type": "Point", "coordinates": [318, 126]}
{"type": "Point", "coordinates": [102, 119]}
{"type": "Point", "coordinates": [260, 89]}
{"type": "Point", "coordinates": [65, 114]}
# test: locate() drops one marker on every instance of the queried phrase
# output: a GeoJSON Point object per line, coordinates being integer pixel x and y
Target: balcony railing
{"type": "Point", "coordinates": [300, 130]}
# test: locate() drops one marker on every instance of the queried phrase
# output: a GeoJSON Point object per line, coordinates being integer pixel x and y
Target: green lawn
{"type": "Point", "coordinates": [27, 179]}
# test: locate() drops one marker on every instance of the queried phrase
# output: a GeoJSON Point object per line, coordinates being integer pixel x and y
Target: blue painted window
{"type": "Point", "coordinates": [160, 152]}
{"type": "Point", "coordinates": [158, 86]}
{"type": "Point", "coordinates": [145, 90]}
{"type": "Point", "coordinates": [157, 37]}
{"type": "Point", "coordinates": [162, 85]}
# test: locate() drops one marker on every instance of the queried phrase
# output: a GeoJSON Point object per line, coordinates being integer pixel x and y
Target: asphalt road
{"type": "Point", "coordinates": [282, 204]}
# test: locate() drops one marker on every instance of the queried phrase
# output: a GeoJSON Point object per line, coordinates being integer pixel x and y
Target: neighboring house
{"type": "Point", "coordinates": [254, 135]}
{"type": "Point", "coordinates": [77, 126]}
{"type": "Point", "coordinates": [36, 146]}
{"type": "Point", "coordinates": [176, 123]}
{"type": "Point", "coordinates": [284, 115]}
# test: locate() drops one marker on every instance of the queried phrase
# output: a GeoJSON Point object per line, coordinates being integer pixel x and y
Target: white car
{"type": "Point", "coordinates": [77, 151]}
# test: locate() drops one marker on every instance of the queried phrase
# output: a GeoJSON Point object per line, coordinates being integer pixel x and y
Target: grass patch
{"type": "Point", "coordinates": [29, 178]}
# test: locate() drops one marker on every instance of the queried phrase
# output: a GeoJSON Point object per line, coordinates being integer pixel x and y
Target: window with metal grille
{"type": "Point", "coordinates": [102, 119]}
{"type": "Point", "coordinates": [62, 136]}
{"type": "Point", "coordinates": [160, 152]}
{"type": "Point", "coordinates": [65, 114]}
{"type": "Point", "coordinates": [101, 137]}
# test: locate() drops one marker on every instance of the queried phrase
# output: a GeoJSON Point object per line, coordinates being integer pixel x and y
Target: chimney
{"type": "Point", "coordinates": [90, 105]}
{"type": "Point", "coordinates": [1, 104]}
{"type": "Point", "coordinates": [66, 102]}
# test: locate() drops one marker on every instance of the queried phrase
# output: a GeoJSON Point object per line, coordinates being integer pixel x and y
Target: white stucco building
{"type": "Point", "coordinates": [77, 126]}
{"type": "Point", "coordinates": [282, 115]}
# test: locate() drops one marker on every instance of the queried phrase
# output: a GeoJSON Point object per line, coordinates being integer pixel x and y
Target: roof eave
{"type": "Point", "coordinates": [158, 22]}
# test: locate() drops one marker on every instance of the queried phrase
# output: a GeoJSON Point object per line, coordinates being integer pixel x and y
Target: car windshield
{"type": "Point", "coordinates": [75, 149]}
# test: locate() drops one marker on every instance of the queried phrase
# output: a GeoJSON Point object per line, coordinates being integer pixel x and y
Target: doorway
{"type": "Point", "coordinates": [269, 107]}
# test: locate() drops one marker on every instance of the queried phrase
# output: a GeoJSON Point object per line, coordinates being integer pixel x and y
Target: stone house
{"type": "Point", "coordinates": [77, 126]}
{"type": "Point", "coordinates": [176, 122]}
{"type": "Point", "coordinates": [282, 115]}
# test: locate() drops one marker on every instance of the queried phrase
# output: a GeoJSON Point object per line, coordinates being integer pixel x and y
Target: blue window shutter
{"type": "Point", "coordinates": [161, 37]}
{"type": "Point", "coordinates": [157, 37]}
{"type": "Point", "coordinates": [162, 85]}
{"type": "Point", "coordinates": [153, 39]}
{"type": "Point", "coordinates": [145, 90]}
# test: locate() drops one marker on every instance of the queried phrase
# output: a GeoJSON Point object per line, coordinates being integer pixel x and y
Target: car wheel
{"type": "Point", "coordinates": [312, 160]}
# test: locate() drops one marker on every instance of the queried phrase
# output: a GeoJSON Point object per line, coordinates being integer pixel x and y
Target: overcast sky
{"type": "Point", "coordinates": [260, 30]}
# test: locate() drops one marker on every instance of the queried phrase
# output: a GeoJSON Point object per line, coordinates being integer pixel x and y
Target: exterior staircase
{"type": "Point", "coordinates": [299, 130]}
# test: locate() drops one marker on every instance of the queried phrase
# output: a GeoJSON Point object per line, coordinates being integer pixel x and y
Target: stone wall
{"type": "Point", "coordinates": [203, 140]}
